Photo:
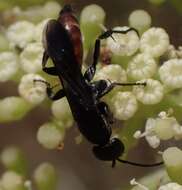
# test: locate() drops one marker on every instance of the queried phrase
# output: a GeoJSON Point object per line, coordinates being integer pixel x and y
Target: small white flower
{"type": "Point", "coordinates": [154, 41]}
{"type": "Point", "coordinates": [113, 72]}
{"type": "Point", "coordinates": [152, 93]}
{"type": "Point", "coordinates": [170, 186]}
{"type": "Point", "coordinates": [123, 44]}
{"type": "Point", "coordinates": [32, 91]}
{"type": "Point", "coordinates": [31, 58]}
{"type": "Point", "coordinates": [39, 30]}
{"type": "Point", "coordinates": [171, 73]}
{"type": "Point", "coordinates": [124, 105]}
{"type": "Point", "coordinates": [8, 65]}
{"type": "Point", "coordinates": [149, 133]}
{"type": "Point", "coordinates": [142, 66]}
{"type": "Point", "coordinates": [149, 129]}
{"type": "Point", "coordinates": [20, 33]}
{"type": "Point", "coordinates": [163, 127]}
{"type": "Point", "coordinates": [61, 111]}
{"type": "Point", "coordinates": [153, 141]}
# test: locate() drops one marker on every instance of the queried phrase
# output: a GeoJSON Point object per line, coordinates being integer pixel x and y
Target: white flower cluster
{"type": "Point", "coordinates": [26, 36]}
{"type": "Point", "coordinates": [152, 93]}
{"type": "Point", "coordinates": [25, 58]}
{"type": "Point", "coordinates": [143, 68]}
{"type": "Point", "coordinates": [155, 42]}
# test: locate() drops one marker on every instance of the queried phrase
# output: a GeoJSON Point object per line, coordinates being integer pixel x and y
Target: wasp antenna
{"type": "Point", "coordinates": [139, 164]}
{"type": "Point", "coordinates": [40, 80]}
{"type": "Point", "coordinates": [130, 84]}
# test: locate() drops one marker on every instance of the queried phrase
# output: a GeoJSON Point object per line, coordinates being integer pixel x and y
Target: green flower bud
{"type": "Point", "coordinates": [45, 177]}
{"type": "Point", "coordinates": [61, 111]}
{"type": "Point", "coordinates": [50, 136]}
{"type": "Point", "coordinates": [13, 159]}
{"type": "Point", "coordinates": [13, 109]}
{"type": "Point", "coordinates": [173, 161]}
{"type": "Point", "coordinates": [92, 16]}
{"type": "Point", "coordinates": [140, 19]}
{"type": "Point", "coordinates": [12, 181]}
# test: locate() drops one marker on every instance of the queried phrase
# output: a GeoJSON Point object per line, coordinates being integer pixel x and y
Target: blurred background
{"type": "Point", "coordinates": [78, 168]}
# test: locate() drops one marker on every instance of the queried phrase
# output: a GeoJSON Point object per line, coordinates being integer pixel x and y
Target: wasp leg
{"type": "Point", "coordinates": [103, 87]}
{"type": "Point", "coordinates": [90, 72]}
{"type": "Point", "coordinates": [58, 95]}
{"type": "Point", "coordinates": [51, 95]}
{"type": "Point", "coordinates": [48, 70]}
{"type": "Point", "coordinates": [114, 84]}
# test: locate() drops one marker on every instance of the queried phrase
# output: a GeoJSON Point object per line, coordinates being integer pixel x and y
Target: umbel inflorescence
{"type": "Point", "coordinates": [152, 111]}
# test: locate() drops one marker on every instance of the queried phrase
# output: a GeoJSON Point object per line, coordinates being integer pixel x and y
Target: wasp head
{"type": "Point", "coordinates": [109, 152]}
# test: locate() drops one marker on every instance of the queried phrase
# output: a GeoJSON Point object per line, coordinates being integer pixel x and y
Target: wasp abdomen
{"type": "Point", "coordinates": [70, 23]}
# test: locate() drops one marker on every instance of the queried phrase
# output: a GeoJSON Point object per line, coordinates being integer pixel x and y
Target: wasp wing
{"type": "Point", "coordinates": [59, 47]}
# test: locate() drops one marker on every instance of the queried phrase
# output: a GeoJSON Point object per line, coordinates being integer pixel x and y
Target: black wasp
{"type": "Point", "coordinates": [62, 42]}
